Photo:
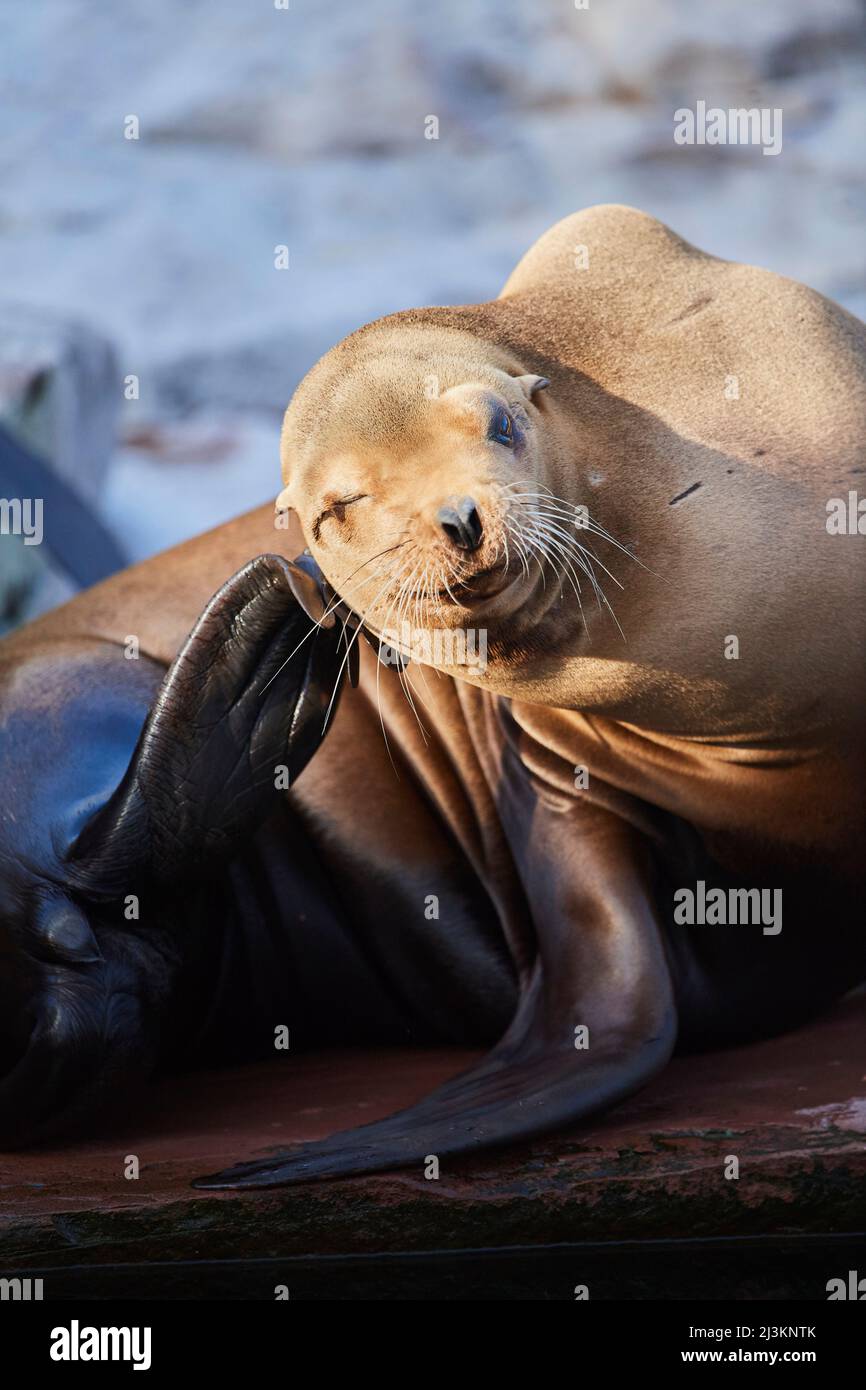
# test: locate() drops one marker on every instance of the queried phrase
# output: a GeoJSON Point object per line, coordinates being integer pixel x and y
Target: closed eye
{"type": "Point", "coordinates": [336, 511]}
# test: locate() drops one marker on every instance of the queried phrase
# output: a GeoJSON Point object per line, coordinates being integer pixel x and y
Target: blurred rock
{"type": "Point", "coordinates": [60, 392]}
{"type": "Point", "coordinates": [59, 399]}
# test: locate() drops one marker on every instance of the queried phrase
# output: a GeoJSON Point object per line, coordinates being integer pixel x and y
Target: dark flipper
{"type": "Point", "coordinates": [246, 695]}
{"type": "Point", "coordinates": [84, 992]}
{"type": "Point", "coordinates": [600, 967]}
{"type": "Point", "coordinates": [521, 1089]}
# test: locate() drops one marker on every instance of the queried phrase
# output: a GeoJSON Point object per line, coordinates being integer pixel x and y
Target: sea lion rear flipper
{"type": "Point", "coordinates": [518, 1091]}
{"type": "Point", "coordinates": [595, 1020]}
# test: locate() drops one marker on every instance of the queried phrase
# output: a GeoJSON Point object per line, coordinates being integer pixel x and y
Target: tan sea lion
{"type": "Point", "coordinates": [616, 807]}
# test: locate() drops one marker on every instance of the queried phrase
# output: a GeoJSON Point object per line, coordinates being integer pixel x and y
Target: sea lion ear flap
{"type": "Point", "coordinates": [532, 384]}
{"type": "Point", "coordinates": [306, 580]}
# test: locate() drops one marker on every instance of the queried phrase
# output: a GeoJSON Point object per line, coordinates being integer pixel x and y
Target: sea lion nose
{"type": "Point", "coordinates": [461, 524]}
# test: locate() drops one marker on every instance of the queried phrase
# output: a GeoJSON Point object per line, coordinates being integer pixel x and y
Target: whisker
{"type": "Point", "coordinates": [601, 598]}
{"type": "Point", "coordinates": [568, 512]}
{"type": "Point", "coordinates": [568, 565]}
{"type": "Point", "coordinates": [573, 541]}
{"type": "Point", "coordinates": [350, 644]}
{"type": "Point", "coordinates": [561, 550]}
{"type": "Point", "coordinates": [401, 602]}
{"type": "Point", "coordinates": [335, 603]}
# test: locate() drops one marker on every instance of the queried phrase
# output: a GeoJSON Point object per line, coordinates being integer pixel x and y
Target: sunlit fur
{"type": "Point", "coordinates": [626, 615]}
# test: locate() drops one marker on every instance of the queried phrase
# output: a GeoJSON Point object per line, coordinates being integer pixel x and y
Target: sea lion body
{"type": "Point", "coordinates": [499, 856]}
{"type": "Point", "coordinates": [705, 412]}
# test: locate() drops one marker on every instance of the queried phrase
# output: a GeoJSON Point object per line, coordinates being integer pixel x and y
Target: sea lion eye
{"type": "Point", "coordinates": [503, 428]}
{"type": "Point", "coordinates": [336, 511]}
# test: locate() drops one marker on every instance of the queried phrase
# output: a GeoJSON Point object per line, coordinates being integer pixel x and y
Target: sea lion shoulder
{"type": "Point", "coordinates": [612, 242]}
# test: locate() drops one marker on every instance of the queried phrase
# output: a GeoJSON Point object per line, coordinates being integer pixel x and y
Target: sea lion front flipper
{"type": "Point", "coordinates": [241, 711]}
{"type": "Point", "coordinates": [97, 923]}
{"type": "Point", "coordinates": [595, 1020]}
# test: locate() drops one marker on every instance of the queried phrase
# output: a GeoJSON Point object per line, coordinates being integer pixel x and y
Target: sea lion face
{"type": "Point", "coordinates": [420, 505]}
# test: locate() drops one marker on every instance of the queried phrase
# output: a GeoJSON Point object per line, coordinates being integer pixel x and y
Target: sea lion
{"type": "Point", "coordinates": [619, 473]}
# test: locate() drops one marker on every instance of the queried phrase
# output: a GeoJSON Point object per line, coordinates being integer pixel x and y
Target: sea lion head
{"type": "Point", "coordinates": [419, 461]}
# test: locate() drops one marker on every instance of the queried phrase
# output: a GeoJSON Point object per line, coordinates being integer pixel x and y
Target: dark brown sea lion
{"type": "Point", "coordinates": [616, 807]}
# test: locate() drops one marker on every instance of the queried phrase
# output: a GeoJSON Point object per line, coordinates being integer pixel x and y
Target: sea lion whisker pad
{"type": "Point", "coordinates": [537, 867]}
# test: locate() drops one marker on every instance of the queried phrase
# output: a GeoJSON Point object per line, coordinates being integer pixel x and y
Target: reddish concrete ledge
{"type": "Point", "coordinates": [793, 1111]}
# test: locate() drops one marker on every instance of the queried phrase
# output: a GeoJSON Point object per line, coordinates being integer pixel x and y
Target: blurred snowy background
{"type": "Point", "coordinates": [304, 126]}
